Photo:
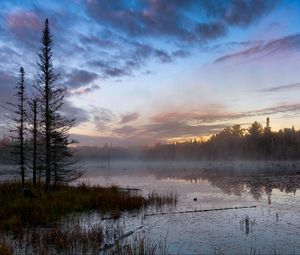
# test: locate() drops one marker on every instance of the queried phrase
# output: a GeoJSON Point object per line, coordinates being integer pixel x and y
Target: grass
{"type": "Point", "coordinates": [140, 246]}
{"type": "Point", "coordinates": [5, 248]}
{"type": "Point", "coordinates": [18, 211]}
{"type": "Point", "coordinates": [35, 220]}
{"type": "Point", "coordinates": [65, 241]}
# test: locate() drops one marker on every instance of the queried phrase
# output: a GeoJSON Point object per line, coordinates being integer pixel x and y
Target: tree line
{"type": "Point", "coordinates": [255, 142]}
{"type": "Point", "coordinates": [39, 132]}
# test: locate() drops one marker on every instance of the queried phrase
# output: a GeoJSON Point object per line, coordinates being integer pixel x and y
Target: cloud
{"type": "Point", "coordinates": [70, 111]}
{"type": "Point", "coordinates": [114, 140]}
{"type": "Point", "coordinates": [169, 125]}
{"type": "Point", "coordinates": [11, 54]}
{"type": "Point", "coordinates": [287, 87]}
{"type": "Point", "coordinates": [243, 13]}
{"type": "Point", "coordinates": [288, 43]}
{"type": "Point", "coordinates": [129, 117]}
{"type": "Point", "coordinates": [80, 78]}
{"type": "Point", "coordinates": [126, 131]}
{"type": "Point", "coordinates": [125, 26]}
{"type": "Point", "coordinates": [100, 42]}
{"type": "Point", "coordinates": [115, 72]}
{"type": "Point", "coordinates": [132, 56]}
{"type": "Point", "coordinates": [231, 46]}
{"type": "Point", "coordinates": [211, 30]}
{"type": "Point", "coordinates": [102, 118]}
{"type": "Point", "coordinates": [7, 84]}
{"type": "Point", "coordinates": [217, 115]}
{"type": "Point", "coordinates": [83, 90]}
{"type": "Point", "coordinates": [25, 26]}
{"type": "Point", "coordinates": [163, 56]}
{"type": "Point", "coordinates": [178, 19]}
{"type": "Point", "coordinates": [110, 70]}
{"type": "Point", "coordinates": [115, 46]}
{"type": "Point", "coordinates": [181, 53]}
{"type": "Point", "coordinates": [171, 129]}
{"type": "Point", "coordinates": [277, 109]}
{"type": "Point", "coordinates": [204, 116]}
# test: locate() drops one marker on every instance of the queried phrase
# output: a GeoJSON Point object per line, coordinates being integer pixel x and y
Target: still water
{"type": "Point", "coordinates": [273, 227]}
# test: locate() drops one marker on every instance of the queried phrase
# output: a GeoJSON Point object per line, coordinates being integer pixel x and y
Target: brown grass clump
{"type": "Point", "coordinates": [76, 240]}
{"type": "Point", "coordinates": [141, 246]}
{"type": "Point", "coordinates": [41, 209]}
{"type": "Point", "coordinates": [5, 248]}
{"type": "Point", "coordinates": [34, 221]}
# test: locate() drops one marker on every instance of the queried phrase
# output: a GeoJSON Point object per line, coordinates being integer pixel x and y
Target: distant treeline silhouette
{"type": "Point", "coordinates": [255, 142]}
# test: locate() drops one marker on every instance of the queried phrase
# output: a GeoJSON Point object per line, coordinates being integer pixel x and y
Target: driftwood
{"type": "Point", "coordinates": [115, 217]}
{"type": "Point", "coordinates": [110, 245]}
{"type": "Point", "coordinates": [189, 211]}
{"type": "Point", "coordinates": [199, 211]}
{"type": "Point", "coordinates": [129, 189]}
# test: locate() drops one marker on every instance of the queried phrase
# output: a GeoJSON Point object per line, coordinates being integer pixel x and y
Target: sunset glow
{"type": "Point", "coordinates": [142, 72]}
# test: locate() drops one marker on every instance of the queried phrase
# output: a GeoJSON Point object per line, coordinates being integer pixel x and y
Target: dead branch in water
{"type": "Point", "coordinates": [204, 210]}
{"type": "Point", "coordinates": [129, 189]}
{"type": "Point", "coordinates": [117, 240]}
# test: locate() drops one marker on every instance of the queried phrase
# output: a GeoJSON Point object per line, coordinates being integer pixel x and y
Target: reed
{"type": "Point", "coordinates": [5, 248]}
{"type": "Point", "coordinates": [33, 218]}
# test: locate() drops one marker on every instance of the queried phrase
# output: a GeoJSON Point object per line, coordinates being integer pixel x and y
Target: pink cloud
{"type": "Point", "coordinates": [22, 19]}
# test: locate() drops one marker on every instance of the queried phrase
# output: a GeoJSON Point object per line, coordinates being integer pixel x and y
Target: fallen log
{"type": "Point", "coordinates": [199, 211]}
{"type": "Point", "coordinates": [129, 189]}
{"type": "Point", "coordinates": [112, 244]}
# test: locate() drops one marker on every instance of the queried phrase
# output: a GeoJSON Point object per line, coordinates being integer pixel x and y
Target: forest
{"type": "Point", "coordinates": [257, 142]}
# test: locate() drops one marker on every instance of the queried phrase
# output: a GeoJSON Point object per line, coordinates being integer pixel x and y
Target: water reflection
{"type": "Point", "coordinates": [235, 182]}
{"type": "Point", "coordinates": [216, 185]}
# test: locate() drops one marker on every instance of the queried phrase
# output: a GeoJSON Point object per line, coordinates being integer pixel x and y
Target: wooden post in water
{"type": "Point", "coordinates": [108, 156]}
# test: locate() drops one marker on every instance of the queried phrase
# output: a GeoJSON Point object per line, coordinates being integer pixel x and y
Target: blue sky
{"type": "Point", "coordinates": [141, 72]}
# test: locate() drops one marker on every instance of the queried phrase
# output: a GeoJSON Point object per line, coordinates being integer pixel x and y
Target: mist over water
{"type": "Point", "coordinates": [272, 186]}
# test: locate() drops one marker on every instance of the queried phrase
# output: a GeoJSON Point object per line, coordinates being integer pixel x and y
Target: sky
{"type": "Point", "coordinates": [152, 71]}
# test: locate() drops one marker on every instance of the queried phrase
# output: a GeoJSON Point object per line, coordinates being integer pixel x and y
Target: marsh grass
{"type": "Point", "coordinates": [5, 247]}
{"type": "Point", "coordinates": [41, 209]}
{"type": "Point", "coordinates": [54, 240]}
{"type": "Point", "coordinates": [34, 222]}
{"type": "Point", "coordinates": [160, 200]}
{"type": "Point", "coordinates": [140, 245]}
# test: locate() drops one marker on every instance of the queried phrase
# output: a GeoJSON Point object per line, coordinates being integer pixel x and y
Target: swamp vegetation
{"type": "Point", "coordinates": [35, 218]}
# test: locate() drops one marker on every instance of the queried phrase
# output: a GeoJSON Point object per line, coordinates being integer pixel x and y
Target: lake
{"type": "Point", "coordinates": [273, 227]}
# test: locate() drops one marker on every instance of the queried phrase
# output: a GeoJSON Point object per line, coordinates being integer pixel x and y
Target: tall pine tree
{"type": "Point", "coordinates": [54, 126]}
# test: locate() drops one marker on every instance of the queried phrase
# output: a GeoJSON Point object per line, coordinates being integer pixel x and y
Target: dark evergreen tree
{"type": "Point", "coordinates": [54, 127]}
{"type": "Point", "coordinates": [17, 127]}
{"type": "Point", "coordinates": [34, 132]}
{"type": "Point", "coordinates": [63, 163]}
{"type": "Point", "coordinates": [47, 77]}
